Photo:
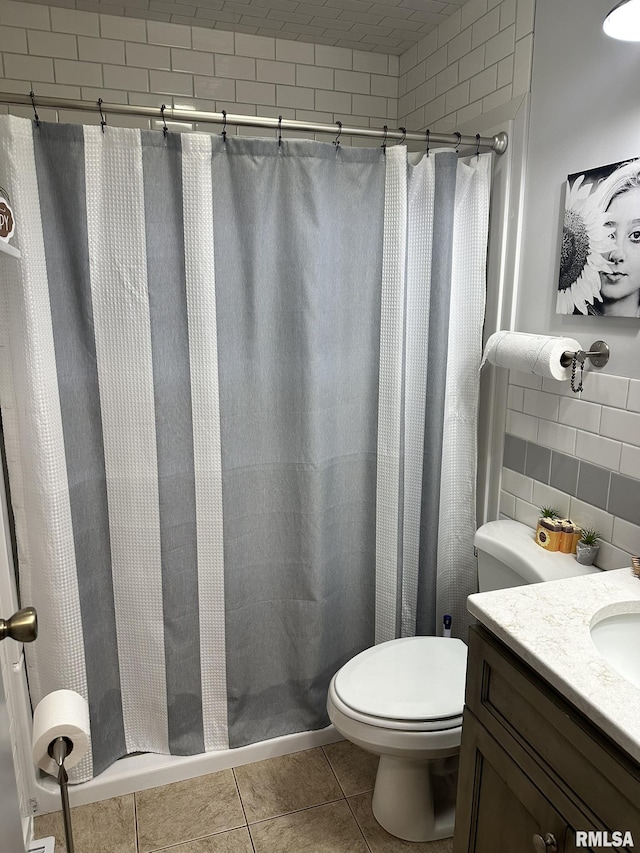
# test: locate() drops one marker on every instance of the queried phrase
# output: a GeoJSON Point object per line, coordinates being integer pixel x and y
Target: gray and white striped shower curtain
{"type": "Point", "coordinates": [239, 390]}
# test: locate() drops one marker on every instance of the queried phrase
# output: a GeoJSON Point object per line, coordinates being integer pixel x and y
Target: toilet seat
{"type": "Point", "coordinates": [411, 684]}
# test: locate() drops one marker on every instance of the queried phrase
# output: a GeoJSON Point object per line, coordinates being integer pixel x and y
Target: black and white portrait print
{"type": "Point", "coordinates": [600, 255]}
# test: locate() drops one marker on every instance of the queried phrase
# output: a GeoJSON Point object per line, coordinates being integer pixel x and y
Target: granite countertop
{"type": "Point", "coordinates": [547, 625]}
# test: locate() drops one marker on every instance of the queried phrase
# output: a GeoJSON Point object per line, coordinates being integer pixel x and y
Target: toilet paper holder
{"type": "Point", "coordinates": [59, 749]}
{"type": "Point", "coordinates": [598, 355]}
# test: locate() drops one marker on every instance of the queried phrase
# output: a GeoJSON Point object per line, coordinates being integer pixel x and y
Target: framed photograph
{"type": "Point", "coordinates": [600, 256]}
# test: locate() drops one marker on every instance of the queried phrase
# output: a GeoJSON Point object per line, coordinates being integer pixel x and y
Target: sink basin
{"type": "Point", "coordinates": [616, 635]}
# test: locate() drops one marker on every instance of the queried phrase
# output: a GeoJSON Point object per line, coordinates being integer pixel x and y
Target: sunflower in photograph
{"type": "Point", "coordinates": [584, 244]}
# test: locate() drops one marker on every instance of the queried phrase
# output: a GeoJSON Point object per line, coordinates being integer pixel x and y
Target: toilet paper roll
{"type": "Point", "coordinates": [539, 354]}
{"type": "Point", "coordinates": [63, 713]}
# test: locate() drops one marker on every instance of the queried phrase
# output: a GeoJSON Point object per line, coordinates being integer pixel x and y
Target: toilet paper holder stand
{"type": "Point", "coordinates": [598, 355]}
{"type": "Point", "coordinates": [59, 749]}
{"type": "Point", "coordinates": [23, 627]}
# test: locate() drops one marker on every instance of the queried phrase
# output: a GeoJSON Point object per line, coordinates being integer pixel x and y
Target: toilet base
{"type": "Point", "coordinates": [412, 801]}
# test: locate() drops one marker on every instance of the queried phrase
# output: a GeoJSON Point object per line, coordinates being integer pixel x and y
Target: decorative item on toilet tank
{"type": "Point", "coordinates": [600, 254]}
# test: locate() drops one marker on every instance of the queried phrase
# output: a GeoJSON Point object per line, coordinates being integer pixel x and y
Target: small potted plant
{"type": "Point", "coordinates": [587, 547]}
{"type": "Point", "coordinates": [549, 512]}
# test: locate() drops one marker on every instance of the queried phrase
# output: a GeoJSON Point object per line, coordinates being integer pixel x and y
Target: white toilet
{"type": "Point", "coordinates": [403, 700]}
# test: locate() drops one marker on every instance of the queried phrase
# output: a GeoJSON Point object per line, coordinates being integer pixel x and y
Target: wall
{"type": "Point", "coordinates": [580, 454]}
{"type": "Point", "coordinates": [473, 74]}
{"type": "Point", "coordinates": [476, 61]}
{"type": "Point", "coordinates": [84, 55]}
{"type": "Point", "coordinates": [585, 112]}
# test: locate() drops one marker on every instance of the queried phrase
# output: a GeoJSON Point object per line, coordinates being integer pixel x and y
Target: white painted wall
{"type": "Point", "coordinates": [585, 112]}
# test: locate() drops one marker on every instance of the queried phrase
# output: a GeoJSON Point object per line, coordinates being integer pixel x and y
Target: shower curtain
{"type": "Point", "coordinates": [239, 386]}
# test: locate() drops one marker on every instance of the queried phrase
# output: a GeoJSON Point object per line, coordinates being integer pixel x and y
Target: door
{"type": "Point", "coordinates": [23, 628]}
{"type": "Point", "coordinates": [499, 808]}
{"type": "Point", "coordinates": [10, 820]}
{"type": "Point", "coordinates": [11, 835]}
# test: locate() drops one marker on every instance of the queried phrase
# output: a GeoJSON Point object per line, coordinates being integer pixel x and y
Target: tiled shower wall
{"type": "Point", "coordinates": [475, 61]}
{"type": "Point", "coordinates": [577, 453]}
{"type": "Point", "coordinates": [68, 53]}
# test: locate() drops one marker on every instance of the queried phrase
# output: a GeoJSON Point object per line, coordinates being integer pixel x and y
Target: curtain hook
{"type": "Point", "coordinates": [404, 135]}
{"type": "Point", "coordinates": [428, 135]}
{"type": "Point", "coordinates": [103, 120]}
{"type": "Point", "coordinates": [35, 112]}
{"type": "Point", "coordinates": [478, 145]}
{"type": "Point", "coordinates": [384, 140]}
{"type": "Point", "coordinates": [164, 121]}
{"type": "Point", "coordinates": [459, 135]}
{"type": "Point", "coordinates": [336, 141]}
{"type": "Point", "coordinates": [224, 127]}
{"type": "Point", "coordinates": [279, 130]}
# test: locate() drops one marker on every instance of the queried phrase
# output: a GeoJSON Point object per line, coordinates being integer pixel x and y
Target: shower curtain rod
{"type": "Point", "coordinates": [496, 143]}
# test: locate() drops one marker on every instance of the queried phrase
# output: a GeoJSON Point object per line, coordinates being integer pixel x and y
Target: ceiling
{"type": "Point", "coordinates": [384, 26]}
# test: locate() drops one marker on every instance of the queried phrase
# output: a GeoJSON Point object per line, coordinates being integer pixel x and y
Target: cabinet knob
{"type": "Point", "coordinates": [548, 844]}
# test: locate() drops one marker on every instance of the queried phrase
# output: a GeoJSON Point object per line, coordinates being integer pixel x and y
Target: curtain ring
{"type": "Point", "coordinates": [103, 120]}
{"type": "Point", "coordinates": [35, 112]}
{"type": "Point", "coordinates": [478, 145]}
{"type": "Point", "coordinates": [164, 121]}
{"type": "Point", "coordinates": [404, 135]}
{"type": "Point", "coordinates": [459, 135]}
{"type": "Point", "coordinates": [224, 127]}
{"type": "Point", "coordinates": [428, 135]}
{"type": "Point", "coordinates": [279, 130]}
{"type": "Point", "coordinates": [384, 140]}
{"type": "Point", "coordinates": [336, 141]}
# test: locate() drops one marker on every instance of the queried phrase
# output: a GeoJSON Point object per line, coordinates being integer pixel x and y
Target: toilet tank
{"type": "Point", "coordinates": [509, 556]}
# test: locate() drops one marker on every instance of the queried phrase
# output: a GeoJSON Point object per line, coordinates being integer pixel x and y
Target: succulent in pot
{"type": "Point", "coordinates": [587, 547]}
{"type": "Point", "coordinates": [549, 512]}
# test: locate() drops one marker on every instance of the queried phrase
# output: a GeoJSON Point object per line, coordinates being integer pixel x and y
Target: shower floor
{"type": "Point", "coordinates": [318, 801]}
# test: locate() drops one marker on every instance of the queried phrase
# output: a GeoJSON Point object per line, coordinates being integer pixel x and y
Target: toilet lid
{"type": "Point", "coordinates": [415, 678]}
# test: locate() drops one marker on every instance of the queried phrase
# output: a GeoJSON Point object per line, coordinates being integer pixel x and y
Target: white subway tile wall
{"type": "Point", "coordinates": [476, 60]}
{"type": "Point", "coordinates": [594, 440]}
{"type": "Point", "coordinates": [76, 54]}
{"type": "Point", "coordinates": [385, 26]}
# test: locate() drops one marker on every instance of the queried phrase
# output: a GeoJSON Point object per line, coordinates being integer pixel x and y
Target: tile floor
{"type": "Point", "coordinates": [316, 801]}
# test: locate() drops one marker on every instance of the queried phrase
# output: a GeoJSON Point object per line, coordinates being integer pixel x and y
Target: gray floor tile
{"type": "Point", "coordinates": [234, 841]}
{"type": "Point", "coordinates": [286, 784]}
{"type": "Point", "coordinates": [355, 769]}
{"type": "Point", "coordinates": [324, 829]}
{"type": "Point", "coordinates": [105, 827]}
{"type": "Point", "coordinates": [189, 810]}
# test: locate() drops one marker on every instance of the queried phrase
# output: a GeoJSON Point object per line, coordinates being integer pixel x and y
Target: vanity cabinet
{"type": "Point", "coordinates": [533, 769]}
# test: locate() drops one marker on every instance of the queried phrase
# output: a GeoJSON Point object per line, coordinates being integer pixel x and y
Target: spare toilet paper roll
{"type": "Point", "coordinates": [63, 713]}
{"type": "Point", "coordinates": [539, 354]}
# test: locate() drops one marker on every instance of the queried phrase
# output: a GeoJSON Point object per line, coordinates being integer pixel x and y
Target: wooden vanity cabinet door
{"type": "Point", "coordinates": [499, 808]}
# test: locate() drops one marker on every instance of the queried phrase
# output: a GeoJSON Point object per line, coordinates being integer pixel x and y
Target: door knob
{"type": "Point", "coordinates": [548, 844]}
{"type": "Point", "coordinates": [22, 626]}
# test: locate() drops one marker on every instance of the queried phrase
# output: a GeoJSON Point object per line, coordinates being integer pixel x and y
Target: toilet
{"type": "Point", "coordinates": [403, 699]}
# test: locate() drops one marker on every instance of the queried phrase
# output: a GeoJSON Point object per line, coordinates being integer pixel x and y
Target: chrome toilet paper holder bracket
{"type": "Point", "coordinates": [598, 355]}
